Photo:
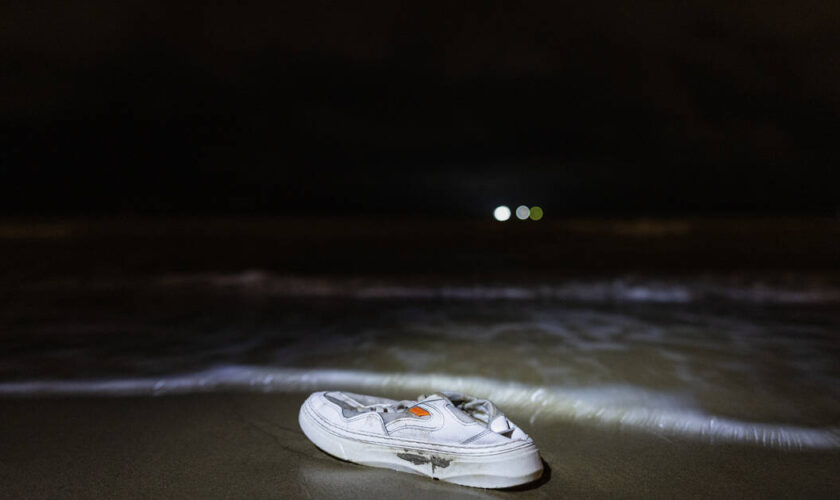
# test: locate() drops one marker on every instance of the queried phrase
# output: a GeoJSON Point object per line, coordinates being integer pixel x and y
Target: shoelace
{"type": "Point", "coordinates": [479, 409]}
{"type": "Point", "coordinates": [482, 410]}
{"type": "Point", "coordinates": [385, 407]}
{"type": "Point", "coordinates": [472, 406]}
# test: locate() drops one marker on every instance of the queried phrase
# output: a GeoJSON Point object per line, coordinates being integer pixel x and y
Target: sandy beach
{"type": "Point", "coordinates": [712, 375]}
{"type": "Point", "coordinates": [250, 446]}
{"type": "Point", "coordinates": [618, 223]}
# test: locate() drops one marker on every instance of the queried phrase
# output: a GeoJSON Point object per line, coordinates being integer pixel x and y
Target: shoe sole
{"type": "Point", "coordinates": [490, 470]}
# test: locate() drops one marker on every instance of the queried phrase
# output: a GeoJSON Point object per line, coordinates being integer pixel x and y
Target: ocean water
{"type": "Point", "coordinates": [751, 358]}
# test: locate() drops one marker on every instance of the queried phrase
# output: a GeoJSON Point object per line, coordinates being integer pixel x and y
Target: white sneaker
{"type": "Point", "coordinates": [447, 436]}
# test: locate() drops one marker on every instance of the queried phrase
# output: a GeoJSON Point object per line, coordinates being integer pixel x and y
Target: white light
{"type": "Point", "coordinates": [502, 213]}
{"type": "Point", "coordinates": [522, 212]}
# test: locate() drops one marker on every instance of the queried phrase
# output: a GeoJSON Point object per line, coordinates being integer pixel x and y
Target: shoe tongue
{"type": "Point", "coordinates": [500, 424]}
{"type": "Point", "coordinates": [486, 413]}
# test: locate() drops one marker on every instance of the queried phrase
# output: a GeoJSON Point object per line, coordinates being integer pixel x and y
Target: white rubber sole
{"type": "Point", "coordinates": [498, 470]}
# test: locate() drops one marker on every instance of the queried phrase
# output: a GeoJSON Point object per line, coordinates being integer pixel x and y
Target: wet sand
{"type": "Point", "coordinates": [250, 446]}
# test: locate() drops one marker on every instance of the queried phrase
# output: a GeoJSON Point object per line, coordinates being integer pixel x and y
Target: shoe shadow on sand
{"type": "Point", "coordinates": [546, 477]}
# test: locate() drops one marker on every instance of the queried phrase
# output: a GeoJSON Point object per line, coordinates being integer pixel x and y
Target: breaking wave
{"type": "Point", "coordinates": [621, 406]}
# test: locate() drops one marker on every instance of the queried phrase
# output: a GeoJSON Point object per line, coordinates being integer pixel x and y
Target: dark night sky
{"type": "Point", "coordinates": [379, 107]}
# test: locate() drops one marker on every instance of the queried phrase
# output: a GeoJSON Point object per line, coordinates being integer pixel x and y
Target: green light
{"type": "Point", "coordinates": [536, 213]}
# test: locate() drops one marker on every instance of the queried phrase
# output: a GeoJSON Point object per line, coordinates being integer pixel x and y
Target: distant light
{"type": "Point", "coordinates": [522, 212]}
{"type": "Point", "coordinates": [536, 213]}
{"type": "Point", "coordinates": [502, 213]}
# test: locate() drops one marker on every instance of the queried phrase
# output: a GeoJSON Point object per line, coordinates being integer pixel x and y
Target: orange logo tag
{"type": "Point", "coordinates": [420, 412]}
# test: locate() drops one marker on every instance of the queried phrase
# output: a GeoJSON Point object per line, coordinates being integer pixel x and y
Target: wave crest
{"type": "Point", "coordinates": [622, 406]}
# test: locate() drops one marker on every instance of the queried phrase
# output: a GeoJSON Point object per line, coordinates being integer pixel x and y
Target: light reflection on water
{"type": "Point", "coordinates": [720, 358]}
{"type": "Point", "coordinates": [622, 406]}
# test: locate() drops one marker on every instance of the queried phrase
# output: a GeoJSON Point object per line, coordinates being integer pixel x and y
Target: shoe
{"type": "Point", "coordinates": [448, 436]}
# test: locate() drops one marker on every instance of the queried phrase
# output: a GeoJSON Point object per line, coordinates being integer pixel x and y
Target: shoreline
{"type": "Point", "coordinates": [249, 445]}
